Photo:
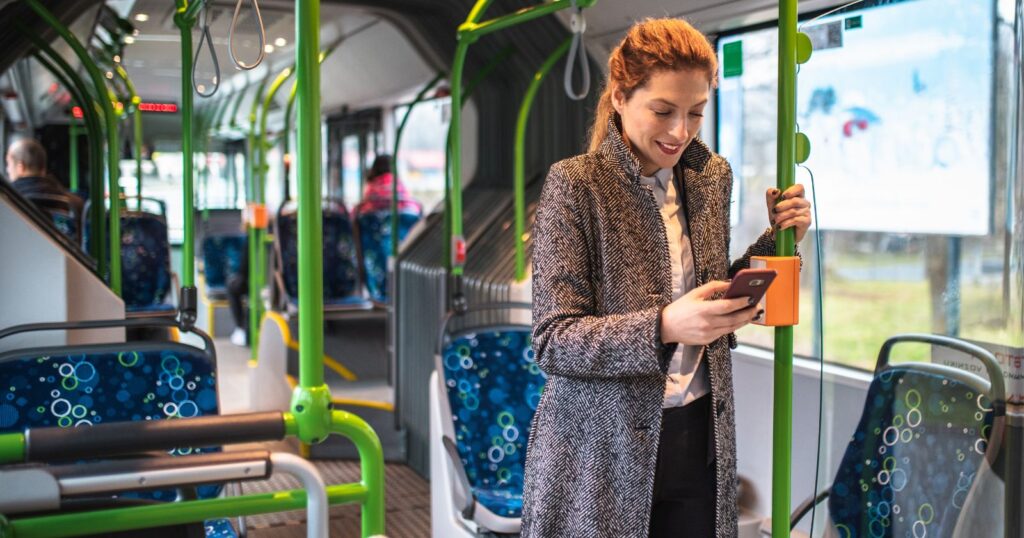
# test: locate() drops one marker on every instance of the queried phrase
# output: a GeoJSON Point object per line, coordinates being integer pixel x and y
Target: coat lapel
{"type": "Point", "coordinates": [699, 217]}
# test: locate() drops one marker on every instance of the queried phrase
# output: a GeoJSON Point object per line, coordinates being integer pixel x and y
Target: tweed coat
{"type": "Point", "coordinates": [601, 275]}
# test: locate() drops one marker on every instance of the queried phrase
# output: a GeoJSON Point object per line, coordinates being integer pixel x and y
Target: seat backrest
{"type": "Point", "coordinates": [76, 387]}
{"type": "Point", "coordinates": [493, 386]}
{"type": "Point", "coordinates": [222, 257]}
{"type": "Point", "coordinates": [63, 210]}
{"type": "Point", "coordinates": [375, 244]}
{"type": "Point", "coordinates": [911, 461]}
{"type": "Point", "coordinates": [145, 260]}
{"type": "Point", "coordinates": [340, 275]}
{"type": "Point", "coordinates": [67, 223]}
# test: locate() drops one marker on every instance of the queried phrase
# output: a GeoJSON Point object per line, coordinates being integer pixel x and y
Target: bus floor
{"type": "Point", "coordinates": [407, 495]}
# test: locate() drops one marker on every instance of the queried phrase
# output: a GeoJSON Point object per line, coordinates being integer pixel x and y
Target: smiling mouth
{"type": "Point", "coordinates": [669, 149]}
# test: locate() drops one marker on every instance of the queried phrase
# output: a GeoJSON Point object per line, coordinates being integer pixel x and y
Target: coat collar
{"type": "Point", "coordinates": [695, 157]}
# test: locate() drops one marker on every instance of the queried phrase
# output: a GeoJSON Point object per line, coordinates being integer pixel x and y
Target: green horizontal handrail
{"type": "Point", "coordinates": [468, 33]}
{"type": "Point", "coordinates": [369, 492]}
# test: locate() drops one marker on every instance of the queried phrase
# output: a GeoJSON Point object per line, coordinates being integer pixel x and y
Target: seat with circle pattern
{"type": "Point", "coordinates": [339, 256]}
{"type": "Point", "coordinates": [101, 384]}
{"type": "Point", "coordinates": [375, 243]}
{"type": "Point", "coordinates": [493, 386]}
{"type": "Point", "coordinates": [913, 457]}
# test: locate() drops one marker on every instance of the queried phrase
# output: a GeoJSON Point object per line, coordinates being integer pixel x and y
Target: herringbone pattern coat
{"type": "Point", "coordinates": [601, 275]}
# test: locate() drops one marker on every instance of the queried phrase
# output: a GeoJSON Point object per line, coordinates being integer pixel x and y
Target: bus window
{"type": "Point", "coordinates": [905, 106]}
{"type": "Point", "coordinates": [421, 154]}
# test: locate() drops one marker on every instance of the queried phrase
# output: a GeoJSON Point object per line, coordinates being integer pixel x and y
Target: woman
{"type": "Point", "coordinates": [377, 192]}
{"type": "Point", "coordinates": [634, 434]}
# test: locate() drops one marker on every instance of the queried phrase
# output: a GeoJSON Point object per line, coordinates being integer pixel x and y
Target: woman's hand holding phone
{"type": "Point", "coordinates": [696, 319]}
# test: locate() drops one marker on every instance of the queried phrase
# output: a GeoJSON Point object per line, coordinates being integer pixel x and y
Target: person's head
{"type": "Point", "coordinates": [26, 158]}
{"type": "Point", "coordinates": [381, 165]}
{"type": "Point", "coordinates": [659, 80]}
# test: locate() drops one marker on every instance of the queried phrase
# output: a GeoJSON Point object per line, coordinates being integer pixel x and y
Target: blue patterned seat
{"type": "Point", "coordinates": [493, 387]}
{"type": "Point", "coordinates": [145, 263]}
{"type": "Point", "coordinates": [375, 243]}
{"type": "Point", "coordinates": [81, 389]}
{"type": "Point", "coordinates": [67, 224]}
{"type": "Point", "coordinates": [340, 276]}
{"type": "Point", "coordinates": [222, 257]}
{"type": "Point", "coordinates": [911, 461]}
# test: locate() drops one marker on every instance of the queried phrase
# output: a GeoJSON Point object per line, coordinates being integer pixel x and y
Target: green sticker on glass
{"type": "Point", "coordinates": [853, 23]}
{"type": "Point", "coordinates": [732, 61]}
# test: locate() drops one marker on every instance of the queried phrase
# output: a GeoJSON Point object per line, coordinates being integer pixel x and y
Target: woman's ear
{"type": "Point", "coordinates": [618, 100]}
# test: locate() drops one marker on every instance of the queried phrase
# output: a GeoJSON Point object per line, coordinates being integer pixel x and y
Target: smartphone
{"type": "Point", "coordinates": [751, 283]}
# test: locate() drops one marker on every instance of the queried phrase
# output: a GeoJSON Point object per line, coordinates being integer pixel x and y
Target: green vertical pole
{"type": "Point", "coordinates": [137, 146]}
{"type": "Point", "coordinates": [519, 154]}
{"type": "Point", "coordinates": [73, 155]}
{"type": "Point", "coordinates": [310, 211]}
{"type": "Point", "coordinates": [113, 158]}
{"type": "Point", "coordinates": [260, 169]}
{"type": "Point", "coordinates": [256, 235]}
{"type": "Point", "coordinates": [311, 399]}
{"type": "Point", "coordinates": [137, 131]}
{"type": "Point", "coordinates": [454, 191]}
{"type": "Point", "coordinates": [185, 23]}
{"type": "Point", "coordinates": [782, 436]}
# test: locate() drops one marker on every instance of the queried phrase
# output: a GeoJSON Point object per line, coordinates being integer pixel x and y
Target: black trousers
{"type": "Point", "coordinates": [238, 289]}
{"type": "Point", "coordinates": [684, 482]}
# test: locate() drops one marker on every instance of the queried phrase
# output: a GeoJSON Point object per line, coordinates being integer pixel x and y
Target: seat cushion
{"type": "Point", "coordinates": [81, 389]}
{"type": "Point", "coordinates": [493, 386]}
{"type": "Point", "coordinates": [913, 456]}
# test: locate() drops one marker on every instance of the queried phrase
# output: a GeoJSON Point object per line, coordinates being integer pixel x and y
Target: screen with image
{"type": "Point", "coordinates": [897, 103]}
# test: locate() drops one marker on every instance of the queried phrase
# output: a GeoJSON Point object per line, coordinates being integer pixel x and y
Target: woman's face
{"type": "Point", "coordinates": [661, 118]}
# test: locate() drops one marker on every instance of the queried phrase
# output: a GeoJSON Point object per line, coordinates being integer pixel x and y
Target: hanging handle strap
{"type": "Point", "coordinates": [577, 52]}
{"type": "Point", "coordinates": [206, 38]}
{"type": "Point", "coordinates": [262, 37]}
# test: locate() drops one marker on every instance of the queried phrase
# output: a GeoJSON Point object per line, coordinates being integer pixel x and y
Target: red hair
{"type": "Point", "coordinates": [650, 46]}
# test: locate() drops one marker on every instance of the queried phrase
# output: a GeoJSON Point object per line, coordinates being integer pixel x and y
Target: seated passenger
{"type": "Point", "coordinates": [26, 168]}
{"type": "Point", "coordinates": [377, 192]}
